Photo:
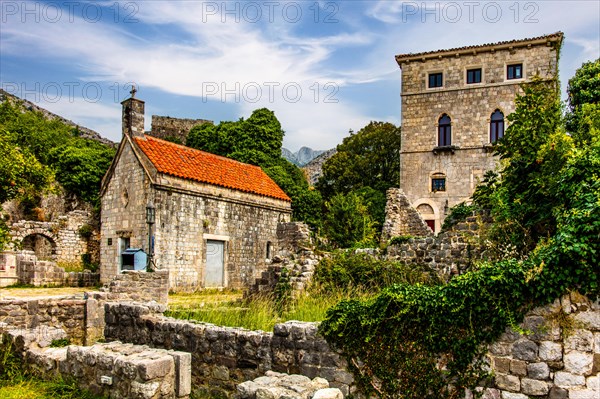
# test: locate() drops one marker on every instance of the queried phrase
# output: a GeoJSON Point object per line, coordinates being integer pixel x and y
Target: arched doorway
{"type": "Point", "coordinates": [43, 246]}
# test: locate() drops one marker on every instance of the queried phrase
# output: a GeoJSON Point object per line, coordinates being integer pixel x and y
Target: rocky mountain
{"type": "Point", "coordinates": [301, 157]}
{"type": "Point", "coordinates": [28, 105]}
{"type": "Point", "coordinates": [314, 169]}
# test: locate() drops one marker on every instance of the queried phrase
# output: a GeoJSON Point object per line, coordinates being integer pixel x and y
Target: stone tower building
{"type": "Point", "coordinates": [454, 107]}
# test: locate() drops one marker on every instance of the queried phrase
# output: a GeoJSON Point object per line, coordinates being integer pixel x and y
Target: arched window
{"type": "Point", "coordinates": [444, 131]}
{"type": "Point", "coordinates": [496, 126]}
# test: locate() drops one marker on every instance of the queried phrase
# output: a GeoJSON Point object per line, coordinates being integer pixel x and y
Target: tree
{"type": "Point", "coordinates": [584, 102]}
{"type": "Point", "coordinates": [348, 222]}
{"type": "Point", "coordinates": [258, 141]}
{"type": "Point", "coordinates": [533, 150]}
{"type": "Point", "coordinates": [80, 167]}
{"type": "Point", "coordinates": [367, 163]}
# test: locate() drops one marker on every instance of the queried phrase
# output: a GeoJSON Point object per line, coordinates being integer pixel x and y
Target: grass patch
{"type": "Point", "coordinates": [260, 313]}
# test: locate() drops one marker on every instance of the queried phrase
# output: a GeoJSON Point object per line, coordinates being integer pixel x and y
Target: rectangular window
{"type": "Point", "coordinates": [438, 184]}
{"type": "Point", "coordinates": [514, 71]}
{"type": "Point", "coordinates": [474, 76]}
{"type": "Point", "coordinates": [435, 80]}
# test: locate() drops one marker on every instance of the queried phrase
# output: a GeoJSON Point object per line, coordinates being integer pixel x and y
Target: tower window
{"type": "Point", "coordinates": [438, 184]}
{"type": "Point", "coordinates": [435, 80]}
{"type": "Point", "coordinates": [514, 71]}
{"type": "Point", "coordinates": [444, 131]}
{"type": "Point", "coordinates": [474, 76]}
{"type": "Point", "coordinates": [496, 126]}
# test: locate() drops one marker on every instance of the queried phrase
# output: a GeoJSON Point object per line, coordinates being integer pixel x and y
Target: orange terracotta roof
{"type": "Point", "coordinates": [188, 163]}
{"type": "Point", "coordinates": [558, 36]}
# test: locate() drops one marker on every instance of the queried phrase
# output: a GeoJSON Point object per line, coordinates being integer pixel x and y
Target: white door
{"type": "Point", "coordinates": [215, 275]}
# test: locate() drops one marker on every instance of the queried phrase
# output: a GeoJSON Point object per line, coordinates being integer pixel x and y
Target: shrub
{"type": "Point", "coordinates": [346, 269]}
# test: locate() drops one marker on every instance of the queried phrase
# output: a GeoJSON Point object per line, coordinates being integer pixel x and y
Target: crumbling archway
{"type": "Point", "coordinates": [43, 246]}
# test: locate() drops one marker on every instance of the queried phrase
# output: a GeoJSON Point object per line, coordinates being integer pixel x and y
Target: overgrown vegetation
{"type": "Point", "coordinates": [355, 180]}
{"type": "Point", "coordinates": [36, 153]}
{"type": "Point", "coordinates": [418, 341]}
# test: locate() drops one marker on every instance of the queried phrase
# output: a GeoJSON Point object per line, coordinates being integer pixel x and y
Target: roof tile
{"type": "Point", "coordinates": [189, 163]}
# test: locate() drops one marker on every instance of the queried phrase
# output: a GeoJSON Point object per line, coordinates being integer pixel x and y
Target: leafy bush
{"type": "Point", "coordinates": [458, 213]}
{"type": "Point", "coordinates": [348, 222]}
{"type": "Point", "coordinates": [345, 269]}
{"type": "Point", "coordinates": [398, 240]}
{"type": "Point", "coordinates": [86, 230]}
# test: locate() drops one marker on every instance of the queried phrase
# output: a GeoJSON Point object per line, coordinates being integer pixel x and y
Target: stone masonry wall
{"type": "Point", "coordinates": [223, 357]}
{"type": "Point", "coordinates": [24, 268]}
{"type": "Point", "coordinates": [66, 313]}
{"type": "Point", "coordinates": [140, 286]}
{"type": "Point", "coordinates": [401, 219]}
{"type": "Point", "coordinates": [63, 234]}
{"type": "Point", "coordinates": [165, 127]}
{"type": "Point", "coordinates": [449, 253]}
{"type": "Point", "coordinates": [558, 358]}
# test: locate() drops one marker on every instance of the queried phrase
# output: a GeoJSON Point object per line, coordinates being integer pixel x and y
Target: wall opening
{"type": "Point", "coordinates": [43, 246]}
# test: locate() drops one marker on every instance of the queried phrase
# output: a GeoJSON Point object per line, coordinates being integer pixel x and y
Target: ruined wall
{"type": "Point", "coordinates": [401, 219]}
{"type": "Point", "coordinates": [25, 268]}
{"type": "Point", "coordinates": [140, 286]}
{"type": "Point", "coordinates": [66, 313]}
{"type": "Point", "coordinates": [449, 253]}
{"type": "Point", "coordinates": [222, 356]}
{"type": "Point", "coordinates": [165, 127]}
{"type": "Point", "coordinates": [62, 236]}
{"type": "Point", "coordinates": [469, 106]}
{"type": "Point", "coordinates": [188, 214]}
{"type": "Point", "coordinates": [111, 370]}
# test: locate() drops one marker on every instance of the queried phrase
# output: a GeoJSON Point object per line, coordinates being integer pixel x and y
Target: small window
{"type": "Point", "coordinates": [438, 184]}
{"type": "Point", "coordinates": [474, 76]}
{"type": "Point", "coordinates": [444, 131]}
{"type": "Point", "coordinates": [124, 243]}
{"type": "Point", "coordinates": [496, 126]}
{"type": "Point", "coordinates": [514, 71]}
{"type": "Point", "coordinates": [435, 80]}
{"type": "Point", "coordinates": [269, 250]}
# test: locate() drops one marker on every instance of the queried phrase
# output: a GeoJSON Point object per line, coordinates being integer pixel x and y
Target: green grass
{"type": "Point", "coordinates": [260, 313]}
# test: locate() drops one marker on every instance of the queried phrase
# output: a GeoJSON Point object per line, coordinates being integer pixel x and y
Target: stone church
{"type": "Point", "coordinates": [454, 108]}
{"type": "Point", "coordinates": [215, 219]}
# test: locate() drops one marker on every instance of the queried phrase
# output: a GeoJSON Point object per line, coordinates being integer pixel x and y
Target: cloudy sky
{"type": "Point", "coordinates": [324, 67]}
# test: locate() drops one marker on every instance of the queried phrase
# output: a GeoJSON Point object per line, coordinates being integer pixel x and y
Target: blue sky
{"type": "Point", "coordinates": [324, 67]}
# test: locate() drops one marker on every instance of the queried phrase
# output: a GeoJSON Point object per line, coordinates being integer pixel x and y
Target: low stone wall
{"type": "Point", "coordinates": [24, 268]}
{"type": "Point", "coordinates": [112, 370]}
{"type": "Point", "coordinates": [66, 313]}
{"type": "Point", "coordinates": [223, 357]}
{"type": "Point", "coordinates": [139, 286]}
{"type": "Point", "coordinates": [280, 385]}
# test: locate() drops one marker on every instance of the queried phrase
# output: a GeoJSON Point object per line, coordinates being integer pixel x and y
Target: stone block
{"type": "Point", "coordinates": [508, 382]}
{"type": "Point", "coordinates": [538, 371]}
{"type": "Point", "coordinates": [563, 379]}
{"type": "Point", "coordinates": [558, 393]}
{"type": "Point", "coordinates": [580, 340]}
{"type": "Point", "coordinates": [518, 367]}
{"type": "Point", "coordinates": [328, 393]}
{"type": "Point", "coordinates": [525, 349]}
{"type": "Point", "coordinates": [513, 395]}
{"type": "Point", "coordinates": [550, 351]}
{"type": "Point", "coordinates": [183, 373]}
{"type": "Point", "coordinates": [580, 363]}
{"type": "Point", "coordinates": [534, 387]}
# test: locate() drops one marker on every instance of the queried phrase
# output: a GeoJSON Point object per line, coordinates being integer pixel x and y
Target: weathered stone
{"type": "Point", "coordinates": [513, 395]}
{"type": "Point", "coordinates": [567, 380]}
{"type": "Point", "coordinates": [525, 349]}
{"type": "Point", "coordinates": [580, 340]}
{"type": "Point", "coordinates": [508, 382]}
{"type": "Point", "coordinates": [501, 364]}
{"type": "Point", "coordinates": [534, 387]}
{"type": "Point", "coordinates": [558, 393]}
{"type": "Point", "coordinates": [518, 367]}
{"type": "Point", "coordinates": [579, 362]}
{"type": "Point", "coordinates": [328, 393]}
{"type": "Point", "coordinates": [538, 371]}
{"type": "Point", "coordinates": [550, 351]}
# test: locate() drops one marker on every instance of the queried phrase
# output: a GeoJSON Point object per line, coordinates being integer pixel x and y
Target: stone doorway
{"type": "Point", "coordinates": [43, 246]}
